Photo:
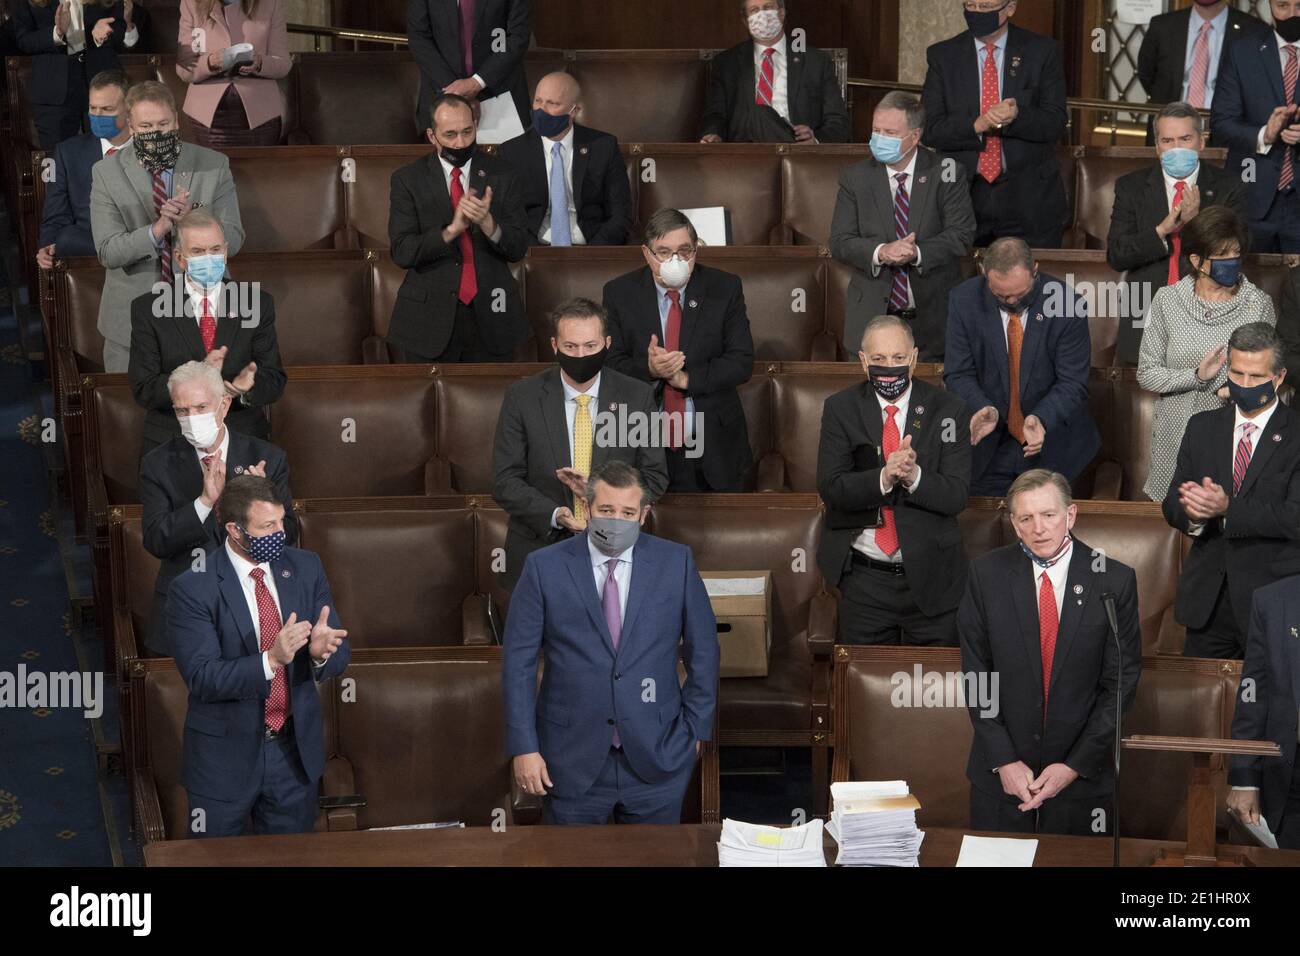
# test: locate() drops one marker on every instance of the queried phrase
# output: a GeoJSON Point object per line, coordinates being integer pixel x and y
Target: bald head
{"type": "Point", "coordinates": [557, 94]}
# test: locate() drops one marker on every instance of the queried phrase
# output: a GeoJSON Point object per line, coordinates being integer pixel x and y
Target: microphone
{"type": "Point", "coordinates": [1108, 601]}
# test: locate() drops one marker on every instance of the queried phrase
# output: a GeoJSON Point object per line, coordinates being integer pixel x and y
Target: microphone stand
{"type": "Point", "coordinates": [1108, 600]}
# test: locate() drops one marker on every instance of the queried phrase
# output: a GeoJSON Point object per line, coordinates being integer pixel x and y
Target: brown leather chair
{"type": "Point", "coordinates": [554, 276]}
{"type": "Point", "coordinates": [984, 526]}
{"type": "Point", "coordinates": [1269, 272]}
{"type": "Point", "coordinates": [1133, 420]}
{"type": "Point", "coordinates": [468, 404]}
{"type": "Point", "coordinates": [642, 96]}
{"type": "Point", "coordinates": [810, 183]}
{"type": "Point", "coordinates": [355, 97]}
{"type": "Point", "coordinates": [490, 563]}
{"type": "Point", "coordinates": [366, 187]}
{"type": "Point", "coordinates": [1103, 479]}
{"type": "Point", "coordinates": [290, 197]}
{"type": "Point", "coordinates": [133, 572]}
{"type": "Point", "coordinates": [756, 400]}
{"type": "Point", "coordinates": [79, 350]}
{"type": "Point", "coordinates": [743, 178]}
{"type": "Point", "coordinates": [785, 299]}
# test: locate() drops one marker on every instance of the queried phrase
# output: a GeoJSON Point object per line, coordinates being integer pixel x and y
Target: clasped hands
{"type": "Point", "coordinates": [243, 382]}
{"type": "Point", "coordinates": [322, 640]}
{"type": "Point", "coordinates": [473, 210]}
{"type": "Point", "coordinates": [1204, 500]}
{"type": "Point", "coordinates": [669, 366]}
{"type": "Point", "coordinates": [900, 252]}
{"type": "Point", "coordinates": [997, 116]}
{"type": "Point", "coordinates": [900, 466]}
{"type": "Point", "coordinates": [1019, 781]}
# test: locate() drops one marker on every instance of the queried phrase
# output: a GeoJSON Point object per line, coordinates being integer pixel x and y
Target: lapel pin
{"type": "Point", "coordinates": [481, 174]}
{"type": "Point", "coordinates": [285, 573]}
{"type": "Point", "coordinates": [1079, 602]}
{"type": "Point", "coordinates": [613, 406]}
{"type": "Point", "coordinates": [922, 180]}
{"type": "Point", "coordinates": [1294, 633]}
{"type": "Point", "coordinates": [917, 423]}
{"type": "Point", "coordinates": [583, 151]}
{"type": "Point", "coordinates": [1038, 317]}
{"type": "Point", "coordinates": [1276, 437]}
{"type": "Point", "coordinates": [239, 469]}
{"type": "Point", "coordinates": [693, 303]}
{"type": "Point", "coordinates": [920, 409]}
{"type": "Point", "coordinates": [1078, 589]}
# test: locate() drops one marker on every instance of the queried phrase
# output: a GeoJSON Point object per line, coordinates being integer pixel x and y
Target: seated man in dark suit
{"type": "Point", "coordinates": [767, 90]}
{"type": "Point", "coordinates": [65, 219]}
{"type": "Point", "coordinates": [894, 469]}
{"type": "Point", "coordinates": [254, 632]}
{"type": "Point", "coordinates": [1018, 352]}
{"type": "Point", "coordinates": [1041, 760]}
{"type": "Point", "coordinates": [585, 199]}
{"type": "Point", "coordinates": [200, 317]}
{"type": "Point", "coordinates": [181, 481]}
{"type": "Point", "coordinates": [558, 425]}
{"type": "Point", "coordinates": [1236, 491]}
{"type": "Point", "coordinates": [1151, 208]}
{"type": "Point", "coordinates": [903, 227]}
{"type": "Point", "coordinates": [683, 328]}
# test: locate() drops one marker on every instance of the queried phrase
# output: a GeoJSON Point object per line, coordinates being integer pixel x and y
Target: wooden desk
{"type": "Point", "coordinates": [644, 846]}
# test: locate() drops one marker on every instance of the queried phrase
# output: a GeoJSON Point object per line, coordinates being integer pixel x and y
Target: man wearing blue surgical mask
{"type": "Point", "coordinates": [903, 227]}
{"type": "Point", "coordinates": [572, 178]}
{"type": "Point", "coordinates": [1151, 208]}
{"type": "Point", "coordinates": [203, 317]}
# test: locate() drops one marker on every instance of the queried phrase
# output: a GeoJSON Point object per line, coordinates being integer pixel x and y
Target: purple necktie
{"type": "Point", "coordinates": [467, 35]}
{"type": "Point", "coordinates": [613, 616]}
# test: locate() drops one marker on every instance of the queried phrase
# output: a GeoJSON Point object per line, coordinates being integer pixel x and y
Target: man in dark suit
{"type": "Point", "coordinates": [1017, 354]}
{"type": "Point", "coordinates": [1034, 634]}
{"type": "Point", "coordinates": [610, 732]}
{"type": "Point", "coordinates": [894, 471]}
{"type": "Point", "coordinates": [683, 328]}
{"type": "Point", "coordinates": [903, 227]}
{"type": "Point", "coordinates": [995, 100]}
{"type": "Point", "coordinates": [1183, 52]}
{"type": "Point", "coordinates": [768, 90]}
{"type": "Point", "coordinates": [253, 739]}
{"type": "Point", "coordinates": [585, 199]}
{"type": "Point", "coordinates": [558, 425]}
{"type": "Point", "coordinates": [1266, 711]}
{"type": "Point", "coordinates": [200, 317]}
{"type": "Point", "coordinates": [1152, 206]}
{"type": "Point", "coordinates": [455, 223]}
{"type": "Point", "coordinates": [182, 479]}
{"type": "Point", "coordinates": [65, 218]}
{"type": "Point", "coordinates": [1236, 492]}
{"type": "Point", "coordinates": [1255, 115]}
{"type": "Point", "coordinates": [472, 48]}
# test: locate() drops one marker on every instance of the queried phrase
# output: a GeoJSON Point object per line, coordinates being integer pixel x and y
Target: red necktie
{"type": "Point", "coordinates": [467, 36]}
{"type": "Point", "coordinates": [1241, 460]}
{"type": "Point", "coordinates": [990, 166]}
{"type": "Point", "coordinates": [207, 327]}
{"type": "Point", "coordinates": [1177, 243]}
{"type": "Point", "coordinates": [1289, 82]}
{"type": "Point", "coordinates": [1047, 626]}
{"type": "Point", "coordinates": [674, 399]}
{"type": "Point", "coordinates": [111, 151]}
{"type": "Point", "coordinates": [269, 624]}
{"type": "Point", "coordinates": [165, 250]}
{"type": "Point", "coordinates": [887, 536]}
{"type": "Point", "coordinates": [468, 276]}
{"type": "Point", "coordinates": [766, 79]}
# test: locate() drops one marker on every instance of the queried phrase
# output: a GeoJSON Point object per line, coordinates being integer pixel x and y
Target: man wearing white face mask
{"type": "Point", "coordinates": [200, 317]}
{"type": "Point", "coordinates": [182, 479]}
{"type": "Point", "coordinates": [767, 90]}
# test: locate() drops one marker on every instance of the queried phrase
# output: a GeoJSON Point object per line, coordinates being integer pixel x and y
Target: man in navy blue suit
{"type": "Point", "coordinates": [1255, 115]}
{"type": "Point", "coordinates": [610, 732]}
{"type": "Point", "coordinates": [1018, 351]}
{"type": "Point", "coordinates": [253, 741]}
{"type": "Point", "coordinates": [65, 219]}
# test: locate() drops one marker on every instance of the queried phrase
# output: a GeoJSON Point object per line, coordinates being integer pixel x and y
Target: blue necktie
{"type": "Point", "coordinates": [560, 232]}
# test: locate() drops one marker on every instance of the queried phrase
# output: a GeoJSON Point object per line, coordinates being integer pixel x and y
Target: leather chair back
{"type": "Point", "coordinates": [356, 98]}
{"type": "Point", "coordinates": [744, 179]}
{"type": "Point", "coordinates": [797, 404]}
{"type": "Point", "coordinates": [642, 96]}
{"type": "Point", "coordinates": [810, 183]}
{"type": "Point", "coordinates": [367, 187]}
{"type": "Point", "coordinates": [785, 300]}
{"type": "Point", "coordinates": [138, 579]}
{"type": "Point", "coordinates": [1133, 417]}
{"type": "Point", "coordinates": [83, 283]}
{"type": "Point", "coordinates": [468, 406]}
{"type": "Point", "coordinates": [119, 424]}
{"type": "Point", "coordinates": [322, 303]}
{"type": "Point", "coordinates": [289, 198]}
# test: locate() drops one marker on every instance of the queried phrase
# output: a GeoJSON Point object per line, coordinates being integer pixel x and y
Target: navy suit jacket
{"type": "Point", "coordinates": [1272, 672]}
{"type": "Point", "coordinates": [587, 687]}
{"type": "Point", "coordinates": [215, 643]}
{"type": "Point", "coordinates": [1054, 361]}
{"type": "Point", "coordinates": [65, 220]}
{"type": "Point", "coordinates": [1249, 88]}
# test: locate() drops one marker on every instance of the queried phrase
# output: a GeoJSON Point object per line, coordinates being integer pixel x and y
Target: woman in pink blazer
{"type": "Point", "coordinates": [240, 106]}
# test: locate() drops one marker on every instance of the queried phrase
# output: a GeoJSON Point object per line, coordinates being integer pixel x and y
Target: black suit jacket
{"type": "Point", "coordinates": [164, 337]}
{"type": "Point", "coordinates": [171, 479]}
{"type": "Point", "coordinates": [601, 192]}
{"type": "Point", "coordinates": [1162, 57]}
{"type": "Point", "coordinates": [34, 30]}
{"type": "Point", "coordinates": [1288, 322]}
{"type": "Point", "coordinates": [419, 209]}
{"type": "Point", "coordinates": [65, 220]}
{"type": "Point", "coordinates": [1033, 76]}
{"type": "Point", "coordinates": [433, 28]}
{"type": "Point", "coordinates": [1133, 246]}
{"type": "Point", "coordinates": [997, 622]}
{"type": "Point", "coordinates": [719, 353]}
{"type": "Point", "coordinates": [1258, 540]}
{"type": "Point", "coordinates": [813, 92]}
{"type": "Point", "coordinates": [928, 532]}
{"type": "Point", "coordinates": [532, 443]}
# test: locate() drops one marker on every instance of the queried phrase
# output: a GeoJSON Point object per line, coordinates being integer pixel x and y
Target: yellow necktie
{"type": "Point", "coordinates": [581, 450]}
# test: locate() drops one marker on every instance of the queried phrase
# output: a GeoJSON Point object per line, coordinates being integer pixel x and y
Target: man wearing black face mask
{"type": "Point", "coordinates": [556, 427]}
{"type": "Point", "coordinates": [1236, 492]}
{"type": "Point", "coordinates": [572, 178]}
{"type": "Point", "coordinates": [455, 223]}
{"type": "Point", "coordinates": [894, 471]}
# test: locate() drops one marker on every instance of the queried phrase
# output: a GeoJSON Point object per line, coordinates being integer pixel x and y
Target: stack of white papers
{"type": "Point", "coordinates": [874, 823]}
{"type": "Point", "coordinates": [750, 844]}
{"type": "Point", "coordinates": [996, 851]}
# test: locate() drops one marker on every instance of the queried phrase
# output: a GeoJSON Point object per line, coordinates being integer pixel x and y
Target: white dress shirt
{"type": "Point", "coordinates": [1283, 57]}
{"type": "Point", "coordinates": [570, 415]}
{"type": "Point", "coordinates": [548, 152]}
{"type": "Point", "coordinates": [465, 182]}
{"type": "Point", "coordinates": [244, 568]}
{"type": "Point", "coordinates": [1260, 421]}
{"type": "Point", "coordinates": [1218, 30]}
{"type": "Point", "coordinates": [106, 144]}
{"type": "Point", "coordinates": [222, 451]}
{"type": "Point", "coordinates": [75, 39]}
{"type": "Point", "coordinates": [910, 184]}
{"type": "Point", "coordinates": [622, 575]}
{"type": "Point", "coordinates": [866, 541]}
{"type": "Point", "coordinates": [1057, 574]}
{"type": "Point", "coordinates": [780, 81]}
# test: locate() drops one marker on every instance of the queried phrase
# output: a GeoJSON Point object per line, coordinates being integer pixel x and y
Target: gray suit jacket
{"type": "Point", "coordinates": [122, 212]}
{"type": "Point", "coordinates": [532, 443]}
{"type": "Point", "coordinates": [944, 222]}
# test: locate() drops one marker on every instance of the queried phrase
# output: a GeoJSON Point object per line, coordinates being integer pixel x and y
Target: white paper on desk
{"type": "Point", "coordinates": [710, 224]}
{"type": "Point", "coordinates": [498, 120]}
{"type": "Point", "coordinates": [733, 587]}
{"type": "Point", "coordinates": [849, 791]}
{"type": "Point", "coordinates": [1260, 832]}
{"type": "Point", "coordinates": [996, 851]}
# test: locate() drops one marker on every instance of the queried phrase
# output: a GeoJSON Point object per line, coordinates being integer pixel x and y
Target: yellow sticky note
{"type": "Point", "coordinates": [769, 839]}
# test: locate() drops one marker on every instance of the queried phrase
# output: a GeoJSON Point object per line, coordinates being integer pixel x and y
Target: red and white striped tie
{"type": "Point", "coordinates": [165, 250]}
{"type": "Point", "coordinates": [766, 79]}
{"type": "Point", "coordinates": [1200, 79]}
{"type": "Point", "coordinates": [1289, 82]}
{"type": "Point", "coordinates": [1241, 460]}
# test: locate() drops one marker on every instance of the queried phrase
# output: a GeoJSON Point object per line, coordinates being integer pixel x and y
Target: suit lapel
{"type": "Point", "coordinates": [643, 583]}
{"type": "Point", "coordinates": [1035, 329]}
{"type": "Point", "coordinates": [438, 188]}
{"type": "Point", "coordinates": [917, 191]}
{"type": "Point", "coordinates": [872, 418]}
{"type": "Point", "coordinates": [1225, 448]}
{"type": "Point", "coordinates": [998, 344]}
{"type": "Point", "coordinates": [580, 160]}
{"type": "Point", "coordinates": [883, 197]}
{"type": "Point", "coordinates": [234, 15]}
{"type": "Point", "coordinates": [602, 402]}
{"type": "Point", "coordinates": [1265, 445]}
{"type": "Point", "coordinates": [187, 471]}
{"type": "Point", "coordinates": [916, 411]}
{"type": "Point", "coordinates": [693, 301]}
{"type": "Point", "coordinates": [289, 589]}
{"type": "Point", "coordinates": [187, 324]}
{"type": "Point", "coordinates": [1010, 64]}
{"type": "Point", "coordinates": [794, 70]}
{"type": "Point", "coordinates": [1073, 601]}
{"type": "Point", "coordinates": [647, 308]}
{"type": "Point", "coordinates": [970, 68]}
{"type": "Point", "coordinates": [585, 581]}
{"type": "Point", "coordinates": [1273, 67]}
{"type": "Point", "coordinates": [140, 178]}
{"type": "Point", "coordinates": [232, 593]}
{"type": "Point", "coordinates": [1024, 596]}
{"type": "Point", "coordinates": [1178, 54]}
{"type": "Point", "coordinates": [557, 425]}
{"type": "Point", "coordinates": [1156, 198]}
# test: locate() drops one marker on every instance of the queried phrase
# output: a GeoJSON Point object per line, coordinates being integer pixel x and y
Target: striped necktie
{"type": "Point", "coordinates": [1241, 460]}
{"type": "Point", "coordinates": [902, 213]}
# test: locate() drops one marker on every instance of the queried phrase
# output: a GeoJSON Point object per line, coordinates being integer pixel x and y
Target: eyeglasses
{"type": "Point", "coordinates": [684, 252]}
